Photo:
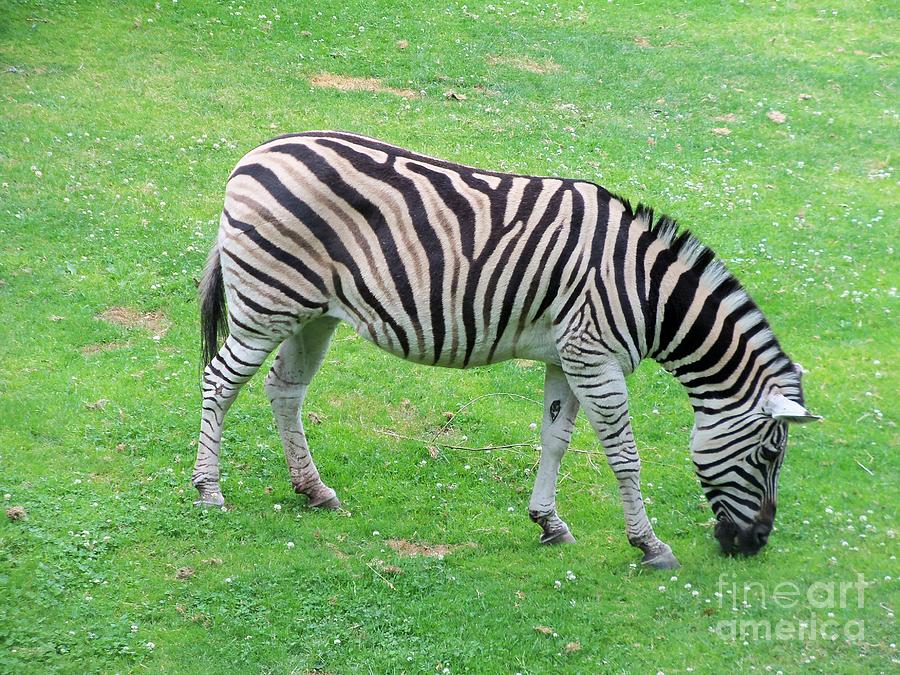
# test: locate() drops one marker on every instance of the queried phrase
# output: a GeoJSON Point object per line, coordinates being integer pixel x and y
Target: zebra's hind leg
{"type": "Point", "coordinates": [560, 410]}
{"type": "Point", "coordinates": [234, 364]}
{"type": "Point", "coordinates": [601, 391]}
{"type": "Point", "coordinates": [299, 357]}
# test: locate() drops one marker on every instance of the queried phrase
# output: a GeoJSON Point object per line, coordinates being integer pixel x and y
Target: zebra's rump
{"type": "Point", "coordinates": [436, 262]}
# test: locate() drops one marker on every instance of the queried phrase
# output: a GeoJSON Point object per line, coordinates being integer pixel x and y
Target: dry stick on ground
{"type": "Point", "coordinates": [487, 448]}
{"type": "Point", "coordinates": [509, 446]}
{"type": "Point", "coordinates": [390, 585]}
{"type": "Point", "coordinates": [864, 468]}
{"type": "Point", "coordinates": [590, 453]}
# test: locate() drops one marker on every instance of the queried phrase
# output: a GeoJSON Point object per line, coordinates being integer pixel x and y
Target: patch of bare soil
{"type": "Point", "coordinates": [156, 322]}
{"type": "Point", "coordinates": [349, 83]}
{"type": "Point", "coordinates": [409, 550]}
{"type": "Point", "coordinates": [16, 513]}
{"type": "Point", "coordinates": [184, 573]}
{"type": "Point", "coordinates": [90, 350]}
{"type": "Point", "coordinates": [338, 553]}
{"type": "Point", "coordinates": [541, 67]}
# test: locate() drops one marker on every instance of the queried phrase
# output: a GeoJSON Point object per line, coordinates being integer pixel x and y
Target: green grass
{"type": "Point", "coordinates": [119, 124]}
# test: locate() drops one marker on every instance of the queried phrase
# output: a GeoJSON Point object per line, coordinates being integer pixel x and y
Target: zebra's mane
{"type": "Point", "coordinates": [716, 277]}
{"type": "Point", "coordinates": [692, 252]}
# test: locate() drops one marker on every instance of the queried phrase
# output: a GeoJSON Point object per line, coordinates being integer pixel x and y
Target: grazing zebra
{"type": "Point", "coordinates": [449, 265]}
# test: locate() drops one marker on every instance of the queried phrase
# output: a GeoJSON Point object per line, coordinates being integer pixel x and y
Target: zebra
{"type": "Point", "coordinates": [448, 265]}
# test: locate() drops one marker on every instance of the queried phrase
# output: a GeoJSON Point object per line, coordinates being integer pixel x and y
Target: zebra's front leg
{"type": "Point", "coordinates": [604, 397]}
{"type": "Point", "coordinates": [299, 357]}
{"type": "Point", "coordinates": [234, 364]}
{"type": "Point", "coordinates": [560, 410]}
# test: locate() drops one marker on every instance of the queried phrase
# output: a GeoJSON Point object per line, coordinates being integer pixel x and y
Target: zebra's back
{"type": "Point", "coordinates": [433, 261]}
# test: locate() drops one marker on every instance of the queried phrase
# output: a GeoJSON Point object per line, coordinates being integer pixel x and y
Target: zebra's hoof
{"type": "Point", "coordinates": [562, 537]}
{"type": "Point", "coordinates": [661, 560]}
{"type": "Point", "coordinates": [210, 500]}
{"type": "Point", "coordinates": [331, 503]}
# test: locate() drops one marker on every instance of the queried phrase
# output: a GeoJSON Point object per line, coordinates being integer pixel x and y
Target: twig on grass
{"type": "Point", "coordinates": [534, 446]}
{"type": "Point", "coordinates": [590, 460]}
{"type": "Point", "coordinates": [425, 441]}
{"type": "Point", "coordinates": [380, 576]}
{"type": "Point", "coordinates": [864, 468]}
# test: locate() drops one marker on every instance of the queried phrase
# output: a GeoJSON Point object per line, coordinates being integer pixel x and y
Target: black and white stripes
{"type": "Point", "coordinates": [448, 265]}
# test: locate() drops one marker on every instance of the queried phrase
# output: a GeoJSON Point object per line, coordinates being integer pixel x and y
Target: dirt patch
{"type": "Point", "coordinates": [184, 573]}
{"type": "Point", "coordinates": [525, 63]}
{"type": "Point", "coordinates": [338, 553]}
{"type": "Point", "coordinates": [90, 350]}
{"type": "Point", "coordinates": [409, 550]}
{"type": "Point", "coordinates": [348, 83]}
{"type": "Point", "coordinates": [99, 404]}
{"type": "Point", "coordinates": [156, 322]}
{"type": "Point", "coordinates": [16, 513]}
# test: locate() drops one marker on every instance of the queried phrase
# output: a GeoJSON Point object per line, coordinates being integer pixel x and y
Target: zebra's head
{"type": "Point", "coordinates": [738, 462]}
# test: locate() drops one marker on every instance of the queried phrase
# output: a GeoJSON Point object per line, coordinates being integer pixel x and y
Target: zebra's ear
{"type": "Point", "coordinates": [784, 409]}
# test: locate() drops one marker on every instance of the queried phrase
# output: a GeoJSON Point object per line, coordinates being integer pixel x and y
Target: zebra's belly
{"type": "Point", "coordinates": [533, 343]}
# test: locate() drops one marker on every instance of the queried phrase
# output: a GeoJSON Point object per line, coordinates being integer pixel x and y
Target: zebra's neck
{"type": "Point", "coordinates": [702, 326]}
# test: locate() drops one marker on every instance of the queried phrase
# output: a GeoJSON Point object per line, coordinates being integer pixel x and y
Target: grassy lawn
{"type": "Point", "coordinates": [770, 129]}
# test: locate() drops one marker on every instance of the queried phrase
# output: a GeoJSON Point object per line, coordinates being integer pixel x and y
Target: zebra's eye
{"type": "Point", "coordinates": [769, 453]}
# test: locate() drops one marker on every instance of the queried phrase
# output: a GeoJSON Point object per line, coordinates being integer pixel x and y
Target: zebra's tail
{"type": "Point", "coordinates": [213, 314]}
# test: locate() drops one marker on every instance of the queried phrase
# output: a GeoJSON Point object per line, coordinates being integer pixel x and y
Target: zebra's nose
{"type": "Point", "coordinates": [761, 534]}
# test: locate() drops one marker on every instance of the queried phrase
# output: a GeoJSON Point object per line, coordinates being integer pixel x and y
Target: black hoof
{"type": "Point", "coordinates": [209, 501]}
{"type": "Point", "coordinates": [330, 503]}
{"type": "Point", "coordinates": [661, 560]}
{"type": "Point", "coordinates": [562, 537]}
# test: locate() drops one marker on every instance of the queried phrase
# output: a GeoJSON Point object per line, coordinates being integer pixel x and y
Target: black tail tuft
{"type": "Point", "coordinates": [213, 314]}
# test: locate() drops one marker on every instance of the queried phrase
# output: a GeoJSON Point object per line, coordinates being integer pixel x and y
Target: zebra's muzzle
{"type": "Point", "coordinates": [747, 541]}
